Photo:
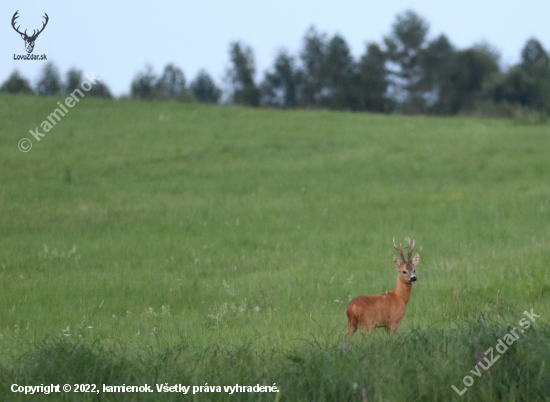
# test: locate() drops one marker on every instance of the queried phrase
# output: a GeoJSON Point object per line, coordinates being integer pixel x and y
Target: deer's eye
{"type": "Point", "coordinates": [405, 272]}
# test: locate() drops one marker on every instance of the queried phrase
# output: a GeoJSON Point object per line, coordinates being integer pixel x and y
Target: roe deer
{"type": "Point", "coordinates": [387, 309]}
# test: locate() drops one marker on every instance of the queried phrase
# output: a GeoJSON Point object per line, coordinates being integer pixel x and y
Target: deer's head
{"type": "Point", "coordinates": [405, 268]}
{"type": "Point", "coordinates": [29, 40]}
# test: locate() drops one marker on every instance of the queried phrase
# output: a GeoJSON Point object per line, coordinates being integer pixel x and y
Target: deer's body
{"type": "Point", "coordinates": [387, 309]}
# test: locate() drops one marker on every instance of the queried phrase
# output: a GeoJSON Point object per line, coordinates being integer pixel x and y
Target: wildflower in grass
{"type": "Point", "coordinates": [345, 348]}
{"type": "Point", "coordinates": [480, 357]}
{"type": "Point", "coordinates": [364, 394]}
{"type": "Point", "coordinates": [165, 310]}
{"type": "Point", "coordinates": [71, 251]}
{"type": "Point", "coordinates": [479, 354]}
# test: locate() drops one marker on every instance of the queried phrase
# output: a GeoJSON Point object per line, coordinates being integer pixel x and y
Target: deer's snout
{"type": "Point", "coordinates": [413, 278]}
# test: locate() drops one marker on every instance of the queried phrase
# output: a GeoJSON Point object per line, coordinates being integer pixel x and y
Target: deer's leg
{"type": "Point", "coordinates": [353, 321]}
{"type": "Point", "coordinates": [392, 328]}
{"type": "Point", "coordinates": [368, 326]}
{"type": "Point", "coordinates": [352, 327]}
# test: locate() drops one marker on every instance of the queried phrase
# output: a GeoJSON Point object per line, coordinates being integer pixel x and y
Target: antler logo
{"type": "Point", "coordinates": [29, 40]}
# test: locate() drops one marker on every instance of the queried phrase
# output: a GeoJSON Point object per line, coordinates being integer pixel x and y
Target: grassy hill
{"type": "Point", "coordinates": [184, 244]}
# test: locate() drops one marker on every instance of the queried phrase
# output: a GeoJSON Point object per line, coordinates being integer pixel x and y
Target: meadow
{"type": "Point", "coordinates": [168, 243]}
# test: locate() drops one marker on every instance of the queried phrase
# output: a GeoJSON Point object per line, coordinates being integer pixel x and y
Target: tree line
{"type": "Point", "coordinates": [406, 73]}
{"type": "Point", "coordinates": [145, 85]}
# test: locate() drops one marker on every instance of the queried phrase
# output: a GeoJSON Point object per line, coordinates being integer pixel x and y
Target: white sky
{"type": "Point", "coordinates": [115, 39]}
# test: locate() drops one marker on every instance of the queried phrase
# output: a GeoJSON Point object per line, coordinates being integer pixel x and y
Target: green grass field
{"type": "Point", "coordinates": [153, 243]}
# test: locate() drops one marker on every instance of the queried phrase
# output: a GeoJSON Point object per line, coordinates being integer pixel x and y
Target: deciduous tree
{"type": "Point", "coordinates": [241, 75]}
{"type": "Point", "coordinates": [280, 85]}
{"type": "Point", "coordinates": [144, 83]}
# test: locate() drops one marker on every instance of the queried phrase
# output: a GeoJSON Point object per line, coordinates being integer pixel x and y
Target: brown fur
{"type": "Point", "coordinates": [386, 309]}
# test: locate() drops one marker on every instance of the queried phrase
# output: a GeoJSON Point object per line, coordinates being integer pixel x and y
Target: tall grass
{"type": "Point", "coordinates": [161, 242]}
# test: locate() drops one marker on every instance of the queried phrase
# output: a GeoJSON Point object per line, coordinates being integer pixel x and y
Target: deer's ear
{"type": "Point", "coordinates": [396, 261]}
{"type": "Point", "coordinates": [416, 259]}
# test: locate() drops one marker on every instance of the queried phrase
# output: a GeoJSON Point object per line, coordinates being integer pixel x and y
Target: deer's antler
{"type": "Point", "coordinates": [399, 250]}
{"type": "Point", "coordinates": [35, 35]}
{"type": "Point", "coordinates": [15, 16]}
{"type": "Point", "coordinates": [410, 248]}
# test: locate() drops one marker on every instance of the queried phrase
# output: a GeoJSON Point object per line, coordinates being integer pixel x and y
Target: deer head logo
{"type": "Point", "coordinates": [29, 40]}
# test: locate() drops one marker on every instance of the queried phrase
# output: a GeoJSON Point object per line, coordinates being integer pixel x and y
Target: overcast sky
{"type": "Point", "coordinates": [115, 39]}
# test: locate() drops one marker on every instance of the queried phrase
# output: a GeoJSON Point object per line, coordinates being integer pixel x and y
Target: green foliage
{"type": "Point", "coordinates": [143, 85]}
{"type": "Point", "coordinates": [331, 78]}
{"type": "Point", "coordinates": [464, 78]}
{"type": "Point", "coordinates": [404, 47]}
{"type": "Point", "coordinates": [523, 115]}
{"type": "Point", "coordinates": [435, 62]}
{"type": "Point", "coordinates": [313, 58]}
{"type": "Point", "coordinates": [413, 75]}
{"type": "Point", "coordinates": [205, 89]}
{"type": "Point", "coordinates": [533, 54]}
{"type": "Point", "coordinates": [280, 86]}
{"type": "Point", "coordinates": [16, 84]}
{"type": "Point", "coordinates": [373, 81]}
{"type": "Point", "coordinates": [419, 365]}
{"type": "Point", "coordinates": [100, 90]}
{"type": "Point", "coordinates": [171, 84]}
{"type": "Point", "coordinates": [161, 253]}
{"type": "Point", "coordinates": [340, 75]}
{"type": "Point", "coordinates": [527, 84]}
{"type": "Point", "coordinates": [49, 82]}
{"type": "Point", "coordinates": [241, 75]}
{"type": "Point", "coordinates": [73, 81]}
